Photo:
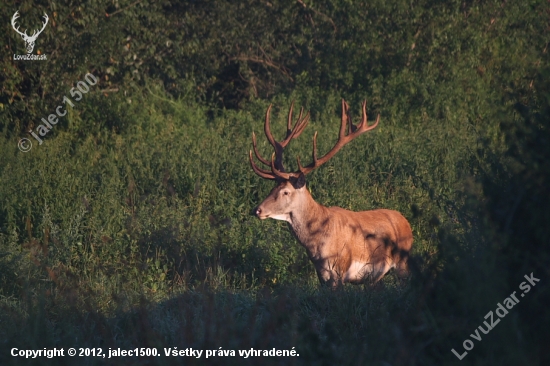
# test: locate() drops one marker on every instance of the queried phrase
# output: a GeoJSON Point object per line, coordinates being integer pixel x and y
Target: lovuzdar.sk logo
{"type": "Point", "coordinates": [29, 40]}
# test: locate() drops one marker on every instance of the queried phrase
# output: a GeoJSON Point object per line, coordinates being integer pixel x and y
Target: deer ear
{"type": "Point", "coordinates": [299, 182]}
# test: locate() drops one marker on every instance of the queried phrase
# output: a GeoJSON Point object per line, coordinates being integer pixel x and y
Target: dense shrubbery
{"type": "Point", "coordinates": [130, 225]}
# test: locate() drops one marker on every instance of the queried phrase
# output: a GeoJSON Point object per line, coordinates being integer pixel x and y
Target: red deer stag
{"type": "Point", "coordinates": [344, 246]}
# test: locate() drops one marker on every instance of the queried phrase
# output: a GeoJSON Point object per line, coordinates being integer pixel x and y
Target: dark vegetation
{"type": "Point", "coordinates": [130, 225]}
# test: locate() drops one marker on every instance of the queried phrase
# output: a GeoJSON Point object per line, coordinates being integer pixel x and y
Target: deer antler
{"type": "Point", "coordinates": [276, 163]}
{"type": "Point", "coordinates": [343, 139]}
{"type": "Point", "coordinates": [277, 170]}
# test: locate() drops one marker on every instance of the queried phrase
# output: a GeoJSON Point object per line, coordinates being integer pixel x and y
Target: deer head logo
{"type": "Point", "coordinates": [29, 40]}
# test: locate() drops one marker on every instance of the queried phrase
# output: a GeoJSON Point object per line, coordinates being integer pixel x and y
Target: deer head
{"type": "Point", "coordinates": [29, 40]}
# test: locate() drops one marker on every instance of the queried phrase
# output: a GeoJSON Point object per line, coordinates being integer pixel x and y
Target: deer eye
{"type": "Point", "coordinates": [285, 193]}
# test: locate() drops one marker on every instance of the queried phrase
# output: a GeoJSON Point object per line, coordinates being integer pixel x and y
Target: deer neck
{"type": "Point", "coordinates": [308, 222]}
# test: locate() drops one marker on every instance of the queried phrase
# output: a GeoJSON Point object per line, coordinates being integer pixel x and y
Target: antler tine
{"type": "Point", "coordinates": [314, 154]}
{"type": "Point", "coordinates": [345, 119]}
{"type": "Point", "coordinates": [289, 129]}
{"type": "Point", "coordinates": [363, 124]}
{"type": "Point", "coordinates": [261, 172]}
{"type": "Point", "coordinates": [269, 135]}
{"type": "Point", "coordinates": [254, 145]}
{"type": "Point", "coordinates": [289, 120]}
{"type": "Point", "coordinates": [343, 139]}
{"type": "Point", "coordinates": [267, 127]}
{"type": "Point", "coordinates": [299, 127]}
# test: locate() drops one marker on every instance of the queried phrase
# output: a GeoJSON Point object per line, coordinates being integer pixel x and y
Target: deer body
{"type": "Point", "coordinates": [344, 246]}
